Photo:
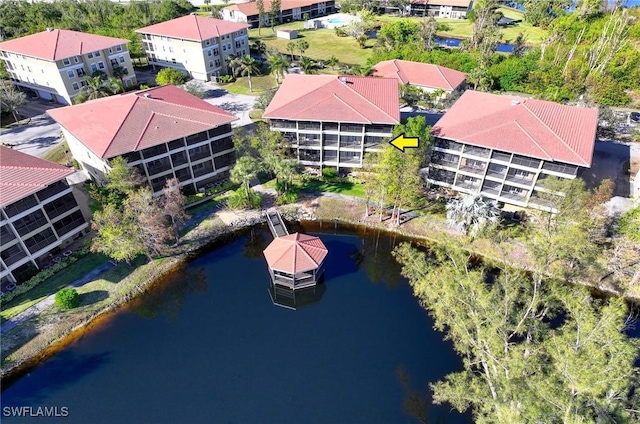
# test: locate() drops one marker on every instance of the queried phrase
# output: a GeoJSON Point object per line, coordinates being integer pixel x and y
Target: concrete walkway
{"type": "Point", "coordinates": [30, 312]}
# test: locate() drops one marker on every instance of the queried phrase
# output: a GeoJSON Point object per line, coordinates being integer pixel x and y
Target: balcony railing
{"type": "Point", "coordinates": [472, 170]}
{"type": "Point", "coordinates": [527, 181]}
{"type": "Point", "coordinates": [331, 143]}
{"type": "Point", "coordinates": [494, 191]}
{"type": "Point", "coordinates": [283, 124]}
{"type": "Point", "coordinates": [468, 185]}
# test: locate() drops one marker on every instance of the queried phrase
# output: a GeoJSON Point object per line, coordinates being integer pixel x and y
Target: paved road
{"type": "Point", "coordinates": [238, 104]}
{"type": "Point", "coordinates": [39, 135]}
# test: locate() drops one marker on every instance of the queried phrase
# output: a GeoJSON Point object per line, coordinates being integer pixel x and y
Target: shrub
{"type": "Point", "coordinates": [238, 200]}
{"type": "Point", "coordinates": [225, 79]}
{"type": "Point", "coordinates": [170, 76]}
{"type": "Point", "coordinates": [67, 298]}
{"type": "Point", "coordinates": [288, 197]}
{"type": "Point", "coordinates": [329, 173]}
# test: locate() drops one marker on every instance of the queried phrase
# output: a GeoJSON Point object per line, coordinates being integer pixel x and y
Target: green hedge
{"type": "Point", "coordinates": [43, 275]}
{"type": "Point", "coordinates": [67, 298]}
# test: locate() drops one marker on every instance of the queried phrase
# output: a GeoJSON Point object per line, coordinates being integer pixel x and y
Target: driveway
{"type": "Point", "coordinates": [611, 160]}
{"type": "Point", "coordinates": [238, 104]}
{"type": "Point", "coordinates": [39, 135]}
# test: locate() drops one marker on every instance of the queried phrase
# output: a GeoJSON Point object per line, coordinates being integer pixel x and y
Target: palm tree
{"type": "Point", "coordinates": [95, 89]}
{"type": "Point", "coordinates": [243, 172]}
{"type": "Point", "coordinates": [12, 99]}
{"type": "Point", "coordinates": [302, 45]}
{"type": "Point", "coordinates": [291, 47]}
{"type": "Point", "coordinates": [307, 65]}
{"type": "Point", "coordinates": [259, 47]}
{"type": "Point", "coordinates": [278, 65]}
{"type": "Point", "coordinates": [245, 66]}
{"type": "Point", "coordinates": [471, 213]}
{"type": "Point", "coordinates": [119, 72]}
{"type": "Point", "coordinates": [116, 85]}
{"type": "Point", "coordinates": [285, 170]}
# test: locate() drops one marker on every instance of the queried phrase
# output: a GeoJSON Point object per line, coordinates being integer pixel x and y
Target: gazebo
{"type": "Point", "coordinates": [296, 260]}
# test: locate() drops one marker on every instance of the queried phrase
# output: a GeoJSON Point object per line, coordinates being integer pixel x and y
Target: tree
{"type": "Point", "coordinates": [402, 32]}
{"type": "Point", "coordinates": [274, 13]}
{"type": "Point", "coordinates": [303, 46]}
{"type": "Point", "coordinates": [332, 62]}
{"type": "Point", "coordinates": [472, 213]}
{"type": "Point", "coordinates": [119, 72]}
{"type": "Point", "coordinates": [629, 224]}
{"type": "Point", "coordinates": [264, 99]}
{"type": "Point", "coordinates": [170, 76]}
{"type": "Point", "coordinates": [243, 172]}
{"type": "Point", "coordinates": [547, 353]}
{"type": "Point", "coordinates": [172, 203]}
{"type": "Point", "coordinates": [152, 230]}
{"type": "Point", "coordinates": [115, 230]}
{"type": "Point", "coordinates": [519, 45]}
{"type": "Point", "coordinates": [195, 88]}
{"type": "Point", "coordinates": [291, 47]}
{"type": "Point", "coordinates": [245, 66]}
{"type": "Point", "coordinates": [278, 64]}
{"type": "Point", "coordinates": [67, 298]}
{"type": "Point", "coordinates": [260, 6]}
{"type": "Point", "coordinates": [540, 13]}
{"type": "Point", "coordinates": [96, 88]}
{"type": "Point", "coordinates": [307, 65]}
{"type": "Point", "coordinates": [12, 99]}
{"type": "Point", "coordinates": [484, 17]}
{"type": "Point", "coordinates": [259, 47]}
{"type": "Point", "coordinates": [115, 85]}
{"type": "Point", "coordinates": [428, 30]}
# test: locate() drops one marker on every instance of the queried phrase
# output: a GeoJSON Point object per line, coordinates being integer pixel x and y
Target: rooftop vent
{"type": "Point", "coordinates": [515, 102]}
{"type": "Point", "coordinates": [147, 95]}
{"type": "Point", "coordinates": [49, 29]}
{"type": "Point", "coordinates": [343, 79]}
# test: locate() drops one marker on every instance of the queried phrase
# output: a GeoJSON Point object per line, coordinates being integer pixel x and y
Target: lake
{"type": "Point", "coordinates": [208, 345]}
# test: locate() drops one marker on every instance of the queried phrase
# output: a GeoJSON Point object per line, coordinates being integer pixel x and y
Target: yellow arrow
{"type": "Point", "coordinates": [401, 142]}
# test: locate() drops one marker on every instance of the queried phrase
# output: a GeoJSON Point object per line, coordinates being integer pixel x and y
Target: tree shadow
{"type": "Point", "coordinates": [93, 297]}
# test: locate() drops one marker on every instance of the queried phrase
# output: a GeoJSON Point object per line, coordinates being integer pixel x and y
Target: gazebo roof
{"type": "Point", "coordinates": [295, 253]}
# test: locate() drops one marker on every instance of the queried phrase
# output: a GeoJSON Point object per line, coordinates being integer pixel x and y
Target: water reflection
{"type": "Point", "coordinates": [296, 299]}
{"type": "Point", "coordinates": [169, 295]}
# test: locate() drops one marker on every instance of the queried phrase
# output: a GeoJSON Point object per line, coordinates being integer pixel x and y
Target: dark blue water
{"type": "Point", "coordinates": [208, 346]}
{"type": "Point", "coordinates": [456, 42]}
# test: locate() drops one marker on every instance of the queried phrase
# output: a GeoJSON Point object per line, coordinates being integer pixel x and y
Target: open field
{"type": "Point", "coordinates": [323, 44]}
{"type": "Point", "coordinates": [260, 83]}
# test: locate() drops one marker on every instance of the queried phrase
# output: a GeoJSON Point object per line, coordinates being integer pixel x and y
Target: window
{"type": "Point", "coordinates": [209, 53]}
{"type": "Point", "coordinates": [94, 67]}
{"type": "Point", "coordinates": [119, 48]}
{"type": "Point", "coordinates": [12, 254]}
{"type": "Point", "coordinates": [100, 65]}
{"type": "Point", "coordinates": [114, 62]}
{"type": "Point", "coordinates": [207, 43]}
{"type": "Point", "coordinates": [202, 168]}
{"type": "Point", "coordinates": [20, 206]}
{"type": "Point", "coordinates": [211, 64]}
{"type": "Point", "coordinates": [228, 46]}
{"type": "Point", "coordinates": [224, 47]}
{"type": "Point", "coordinates": [179, 158]}
{"type": "Point", "coordinates": [173, 60]}
{"type": "Point", "coordinates": [97, 54]}
{"type": "Point", "coordinates": [30, 223]}
{"type": "Point", "coordinates": [6, 235]}
{"type": "Point", "coordinates": [40, 240]}
{"type": "Point", "coordinates": [170, 49]}
{"type": "Point", "coordinates": [196, 138]}
{"type": "Point", "coordinates": [183, 174]}
{"type": "Point", "coordinates": [80, 72]}
{"type": "Point", "coordinates": [70, 74]}
{"type": "Point", "coordinates": [121, 59]}
{"type": "Point", "coordinates": [83, 83]}
{"type": "Point", "coordinates": [66, 62]}
{"type": "Point", "coordinates": [158, 165]}
{"type": "Point", "coordinates": [76, 60]}
{"type": "Point", "coordinates": [60, 205]}
{"type": "Point", "coordinates": [199, 152]}
{"type": "Point", "coordinates": [216, 52]}
{"type": "Point", "coordinates": [75, 86]}
{"type": "Point", "coordinates": [154, 151]}
{"type": "Point", "coordinates": [68, 223]}
{"type": "Point", "coordinates": [90, 55]}
{"type": "Point", "coordinates": [217, 63]}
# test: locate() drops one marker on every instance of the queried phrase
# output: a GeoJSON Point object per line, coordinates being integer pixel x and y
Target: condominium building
{"type": "Point", "coordinates": [504, 146]}
{"type": "Point", "coordinates": [290, 10]}
{"type": "Point", "coordinates": [164, 132]}
{"type": "Point", "coordinates": [55, 62]}
{"type": "Point", "coordinates": [196, 45]}
{"type": "Point", "coordinates": [427, 76]}
{"type": "Point", "coordinates": [454, 9]}
{"type": "Point", "coordinates": [39, 214]}
{"type": "Point", "coordinates": [334, 120]}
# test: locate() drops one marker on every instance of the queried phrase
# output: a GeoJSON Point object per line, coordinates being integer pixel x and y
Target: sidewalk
{"type": "Point", "coordinates": [30, 312]}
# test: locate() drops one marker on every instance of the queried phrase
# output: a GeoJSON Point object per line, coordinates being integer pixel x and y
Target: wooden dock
{"type": "Point", "coordinates": [276, 224]}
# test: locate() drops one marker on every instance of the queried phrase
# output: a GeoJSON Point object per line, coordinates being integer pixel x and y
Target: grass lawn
{"type": "Point", "coordinates": [59, 154]}
{"type": "Point", "coordinates": [50, 286]}
{"type": "Point", "coordinates": [260, 84]}
{"type": "Point", "coordinates": [323, 43]}
{"type": "Point", "coordinates": [314, 185]}
{"type": "Point", "coordinates": [462, 28]}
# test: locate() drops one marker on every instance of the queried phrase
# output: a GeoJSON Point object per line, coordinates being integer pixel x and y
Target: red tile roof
{"type": "Point", "coordinates": [336, 99]}
{"type": "Point", "coordinates": [423, 74]}
{"type": "Point", "coordinates": [22, 175]}
{"type": "Point", "coordinates": [115, 125]}
{"type": "Point", "coordinates": [250, 8]}
{"type": "Point", "coordinates": [193, 27]}
{"type": "Point", "coordinates": [295, 253]}
{"type": "Point", "coordinates": [530, 127]}
{"type": "Point", "coordinates": [59, 44]}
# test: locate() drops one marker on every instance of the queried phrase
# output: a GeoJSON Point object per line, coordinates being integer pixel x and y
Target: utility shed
{"type": "Point", "coordinates": [287, 34]}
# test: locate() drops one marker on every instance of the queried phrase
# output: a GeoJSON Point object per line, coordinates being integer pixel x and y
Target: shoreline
{"type": "Point", "coordinates": [210, 238]}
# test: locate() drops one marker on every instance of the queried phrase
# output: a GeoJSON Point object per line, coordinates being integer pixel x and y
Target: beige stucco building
{"type": "Point", "coordinates": [55, 62]}
{"type": "Point", "coordinates": [196, 45]}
